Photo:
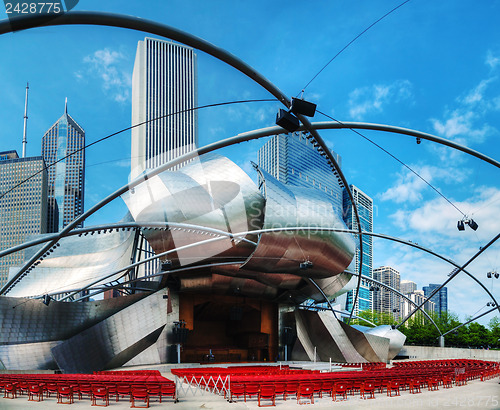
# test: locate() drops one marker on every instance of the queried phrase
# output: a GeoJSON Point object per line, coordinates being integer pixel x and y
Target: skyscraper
{"type": "Point", "coordinates": [23, 210]}
{"type": "Point", "coordinates": [407, 286]}
{"type": "Point", "coordinates": [440, 299]}
{"type": "Point", "coordinates": [385, 301]}
{"type": "Point", "coordinates": [364, 205]}
{"type": "Point", "coordinates": [63, 145]}
{"type": "Point", "coordinates": [417, 296]}
{"type": "Point", "coordinates": [164, 93]}
{"type": "Point", "coordinates": [293, 160]}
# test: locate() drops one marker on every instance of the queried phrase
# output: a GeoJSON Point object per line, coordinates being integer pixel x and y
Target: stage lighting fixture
{"type": "Point", "coordinates": [303, 107]}
{"type": "Point", "coordinates": [473, 225]}
{"type": "Point", "coordinates": [287, 120]}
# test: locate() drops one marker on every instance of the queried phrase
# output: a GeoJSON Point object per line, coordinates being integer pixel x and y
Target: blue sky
{"type": "Point", "coordinates": [431, 66]}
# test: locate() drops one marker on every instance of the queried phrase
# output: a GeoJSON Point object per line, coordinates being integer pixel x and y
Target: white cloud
{"type": "Point", "coordinates": [476, 95]}
{"type": "Point", "coordinates": [492, 60]}
{"type": "Point", "coordinates": [110, 67]}
{"type": "Point", "coordinates": [409, 187]}
{"type": "Point", "coordinates": [465, 123]}
{"type": "Point", "coordinates": [436, 220]}
{"type": "Point", "coordinates": [371, 99]}
{"type": "Point", "coordinates": [460, 126]}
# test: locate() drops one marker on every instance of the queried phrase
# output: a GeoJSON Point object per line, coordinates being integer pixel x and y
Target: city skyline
{"type": "Point", "coordinates": [410, 80]}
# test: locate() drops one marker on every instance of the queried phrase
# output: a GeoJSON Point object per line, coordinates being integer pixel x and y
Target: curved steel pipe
{"type": "Point", "coordinates": [134, 23]}
{"type": "Point", "coordinates": [106, 19]}
{"type": "Point", "coordinates": [471, 320]}
{"type": "Point", "coordinates": [436, 290]}
{"type": "Point", "coordinates": [119, 225]}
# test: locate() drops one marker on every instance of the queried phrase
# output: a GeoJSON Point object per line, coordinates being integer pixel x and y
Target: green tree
{"type": "Point", "coordinates": [494, 336]}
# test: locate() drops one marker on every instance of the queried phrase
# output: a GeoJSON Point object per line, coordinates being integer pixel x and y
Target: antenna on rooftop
{"type": "Point", "coordinates": [25, 141]}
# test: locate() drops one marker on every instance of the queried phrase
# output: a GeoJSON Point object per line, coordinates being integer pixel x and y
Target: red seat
{"type": "Point", "coordinates": [291, 388]}
{"type": "Point", "coordinates": [35, 390]}
{"type": "Point", "coordinates": [432, 383]}
{"type": "Point", "coordinates": [267, 392]}
{"type": "Point", "coordinates": [356, 386]}
{"type": "Point", "coordinates": [10, 391]}
{"type": "Point", "coordinates": [251, 389]}
{"type": "Point", "coordinates": [414, 386]}
{"type": "Point", "coordinates": [139, 394]}
{"type": "Point", "coordinates": [112, 390]}
{"type": "Point", "coordinates": [393, 386]}
{"type": "Point", "coordinates": [100, 392]}
{"type": "Point", "coordinates": [367, 388]}
{"type": "Point", "coordinates": [446, 382]}
{"type": "Point", "coordinates": [50, 388]}
{"type": "Point", "coordinates": [122, 390]}
{"type": "Point", "coordinates": [153, 390]}
{"type": "Point", "coordinates": [305, 390]}
{"type": "Point", "coordinates": [84, 389]}
{"type": "Point", "coordinates": [23, 387]}
{"type": "Point", "coordinates": [279, 388]}
{"type": "Point", "coordinates": [339, 388]}
{"type": "Point", "coordinates": [64, 392]}
{"type": "Point", "coordinates": [237, 390]}
{"type": "Point", "coordinates": [168, 390]}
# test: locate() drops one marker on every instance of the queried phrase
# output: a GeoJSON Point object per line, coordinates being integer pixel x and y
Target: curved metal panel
{"type": "Point", "coordinates": [331, 286]}
{"type": "Point", "coordinates": [282, 252]}
{"type": "Point", "coordinates": [29, 320]}
{"type": "Point", "coordinates": [210, 192]}
{"type": "Point", "coordinates": [396, 338]}
{"type": "Point", "coordinates": [77, 262]}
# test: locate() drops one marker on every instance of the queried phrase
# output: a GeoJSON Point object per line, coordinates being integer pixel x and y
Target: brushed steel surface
{"type": "Point", "coordinates": [396, 338]}
{"type": "Point", "coordinates": [282, 252]}
{"type": "Point", "coordinates": [210, 192]}
{"type": "Point", "coordinates": [77, 262]}
{"type": "Point", "coordinates": [115, 340]}
{"type": "Point", "coordinates": [29, 320]}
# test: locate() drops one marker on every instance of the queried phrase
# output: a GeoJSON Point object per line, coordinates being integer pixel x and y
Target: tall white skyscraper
{"type": "Point", "coordinates": [164, 93]}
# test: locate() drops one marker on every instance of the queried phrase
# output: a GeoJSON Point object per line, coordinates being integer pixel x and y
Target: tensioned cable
{"type": "Point", "coordinates": [398, 160]}
{"type": "Point", "coordinates": [131, 127]}
{"type": "Point", "coordinates": [353, 40]}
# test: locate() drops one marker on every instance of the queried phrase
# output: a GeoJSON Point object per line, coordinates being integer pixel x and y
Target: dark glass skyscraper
{"type": "Point", "coordinates": [364, 205]}
{"type": "Point", "coordinates": [440, 299]}
{"type": "Point", "coordinates": [66, 179]}
{"type": "Point", "coordinates": [293, 160]}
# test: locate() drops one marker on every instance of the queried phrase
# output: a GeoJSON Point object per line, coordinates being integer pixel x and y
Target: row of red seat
{"type": "Point", "coordinates": [432, 374]}
{"type": "Point", "coordinates": [98, 387]}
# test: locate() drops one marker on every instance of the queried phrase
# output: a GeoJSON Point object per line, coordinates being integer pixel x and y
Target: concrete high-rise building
{"type": "Point", "coordinates": [293, 160]}
{"type": "Point", "coordinates": [407, 286]}
{"type": "Point", "coordinates": [440, 299]}
{"type": "Point", "coordinates": [364, 205]}
{"type": "Point", "coordinates": [23, 208]}
{"type": "Point", "coordinates": [417, 297]}
{"type": "Point", "coordinates": [384, 300]}
{"type": "Point", "coordinates": [164, 94]}
{"type": "Point", "coordinates": [63, 145]}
